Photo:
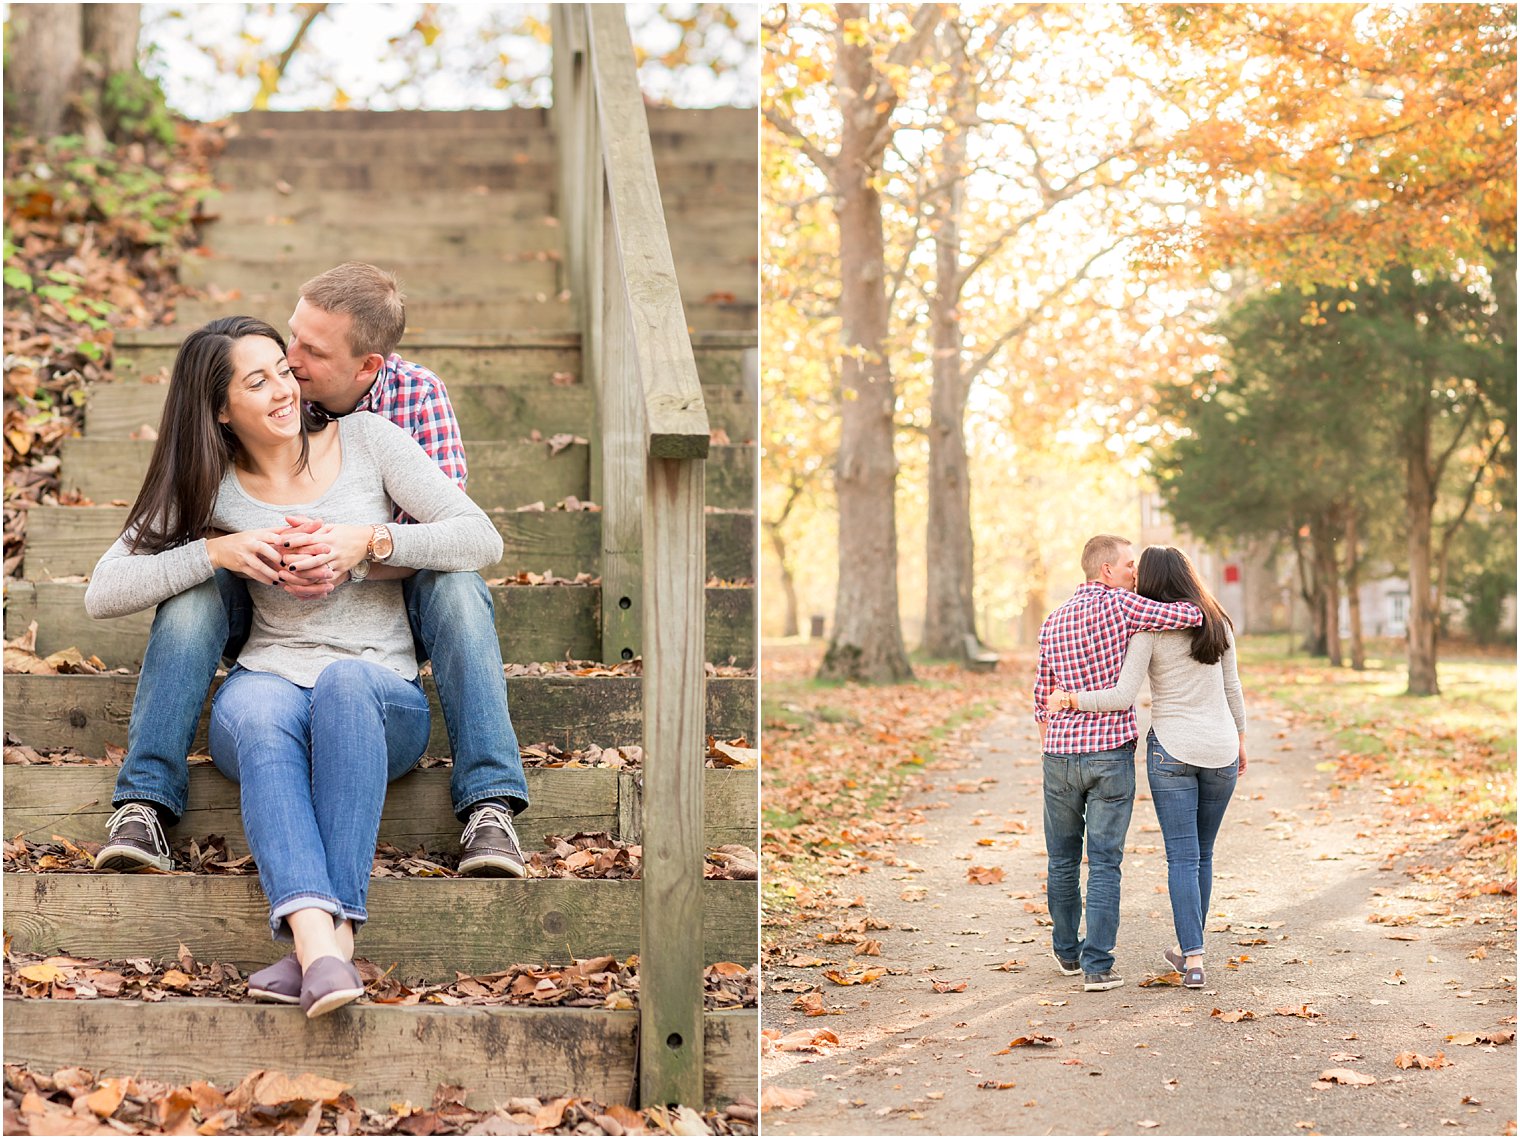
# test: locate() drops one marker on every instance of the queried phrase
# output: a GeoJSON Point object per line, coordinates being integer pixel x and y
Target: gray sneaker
{"type": "Point", "coordinates": [135, 840]}
{"type": "Point", "coordinates": [490, 846]}
{"type": "Point", "coordinates": [1100, 982]}
{"type": "Point", "coordinates": [1068, 968]}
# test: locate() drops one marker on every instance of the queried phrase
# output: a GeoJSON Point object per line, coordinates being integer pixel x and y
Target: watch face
{"type": "Point", "coordinates": [383, 543]}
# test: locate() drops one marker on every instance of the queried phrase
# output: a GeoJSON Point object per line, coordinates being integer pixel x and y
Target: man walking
{"type": "Point", "coordinates": [344, 333]}
{"type": "Point", "coordinates": [1089, 757]}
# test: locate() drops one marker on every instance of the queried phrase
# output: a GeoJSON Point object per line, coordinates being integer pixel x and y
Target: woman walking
{"type": "Point", "coordinates": [324, 705]}
{"type": "Point", "coordinates": [1196, 747]}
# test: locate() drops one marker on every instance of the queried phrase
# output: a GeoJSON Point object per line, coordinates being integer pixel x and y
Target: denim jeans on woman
{"type": "Point", "coordinates": [454, 625]}
{"type": "Point", "coordinates": [1091, 794]}
{"type": "Point", "coordinates": [311, 765]}
{"type": "Point", "coordinates": [1190, 804]}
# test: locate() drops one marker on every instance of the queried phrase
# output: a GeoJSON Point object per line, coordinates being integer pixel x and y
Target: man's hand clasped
{"type": "Point", "coordinates": [308, 558]}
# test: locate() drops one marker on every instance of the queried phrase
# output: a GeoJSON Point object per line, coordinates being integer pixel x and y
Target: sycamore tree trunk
{"type": "Point", "coordinates": [867, 642]}
{"type": "Point", "coordinates": [43, 72]}
{"type": "Point", "coordinates": [949, 606]}
{"type": "Point", "coordinates": [1354, 590]}
{"type": "Point", "coordinates": [62, 60]}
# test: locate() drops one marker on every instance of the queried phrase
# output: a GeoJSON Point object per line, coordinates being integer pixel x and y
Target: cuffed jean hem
{"type": "Point", "coordinates": [174, 810]}
{"type": "Point", "coordinates": [307, 900]}
{"type": "Point", "coordinates": [514, 799]}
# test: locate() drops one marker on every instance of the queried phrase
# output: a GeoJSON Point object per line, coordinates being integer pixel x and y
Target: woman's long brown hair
{"type": "Point", "coordinates": [194, 450]}
{"type": "Point", "coordinates": [1166, 574]}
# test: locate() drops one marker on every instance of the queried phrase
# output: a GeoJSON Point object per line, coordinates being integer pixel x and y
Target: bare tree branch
{"type": "Point", "coordinates": [815, 153]}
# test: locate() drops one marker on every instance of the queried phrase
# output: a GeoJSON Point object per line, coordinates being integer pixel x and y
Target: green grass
{"type": "Point", "coordinates": [1454, 752]}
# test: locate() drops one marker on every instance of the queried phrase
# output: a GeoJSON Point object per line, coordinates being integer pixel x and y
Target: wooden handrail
{"type": "Point", "coordinates": [648, 458]}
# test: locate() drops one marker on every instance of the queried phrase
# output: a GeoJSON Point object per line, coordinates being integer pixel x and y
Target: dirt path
{"type": "Point", "coordinates": [1296, 869]}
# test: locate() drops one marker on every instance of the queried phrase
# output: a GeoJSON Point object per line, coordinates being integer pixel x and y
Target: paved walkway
{"type": "Point", "coordinates": [1298, 872]}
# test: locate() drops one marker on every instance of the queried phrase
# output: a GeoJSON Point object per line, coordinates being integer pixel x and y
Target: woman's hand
{"type": "Point", "coordinates": [311, 545]}
{"type": "Point", "coordinates": [1241, 767]}
{"type": "Point", "coordinates": [254, 554]}
{"type": "Point", "coordinates": [1059, 699]}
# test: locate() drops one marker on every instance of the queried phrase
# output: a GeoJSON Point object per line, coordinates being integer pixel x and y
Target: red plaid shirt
{"type": "Point", "coordinates": [1082, 647]}
{"type": "Point", "coordinates": [415, 400]}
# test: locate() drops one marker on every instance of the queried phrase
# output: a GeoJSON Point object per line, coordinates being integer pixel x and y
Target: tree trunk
{"type": "Point", "coordinates": [1327, 580]}
{"type": "Point", "coordinates": [867, 643]}
{"type": "Point", "coordinates": [44, 67]}
{"type": "Point", "coordinates": [1354, 591]}
{"type": "Point", "coordinates": [949, 606]}
{"type": "Point", "coordinates": [110, 36]}
{"type": "Point", "coordinates": [1420, 500]}
{"type": "Point", "coordinates": [789, 627]}
{"type": "Point", "coordinates": [1311, 589]}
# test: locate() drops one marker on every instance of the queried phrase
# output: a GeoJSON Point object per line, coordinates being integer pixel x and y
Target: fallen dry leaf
{"type": "Point", "coordinates": [1408, 1060]}
{"type": "Point", "coordinates": [1346, 1076]}
{"type": "Point", "coordinates": [1234, 1016]}
{"type": "Point", "coordinates": [776, 1098]}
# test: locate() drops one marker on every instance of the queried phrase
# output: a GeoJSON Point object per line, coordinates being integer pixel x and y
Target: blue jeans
{"type": "Point", "coordinates": [311, 765]}
{"type": "Point", "coordinates": [452, 621]}
{"type": "Point", "coordinates": [1090, 794]}
{"type": "Point", "coordinates": [1190, 804]}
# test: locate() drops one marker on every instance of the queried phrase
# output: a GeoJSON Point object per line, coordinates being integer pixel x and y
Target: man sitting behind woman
{"type": "Point", "coordinates": [324, 706]}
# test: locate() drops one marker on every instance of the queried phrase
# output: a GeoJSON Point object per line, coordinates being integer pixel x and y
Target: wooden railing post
{"type": "Point", "coordinates": [648, 468]}
{"type": "Point", "coordinates": [621, 430]}
{"type": "Point", "coordinates": [670, 961]}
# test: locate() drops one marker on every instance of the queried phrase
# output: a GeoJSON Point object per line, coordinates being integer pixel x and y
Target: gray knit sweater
{"type": "Point", "coordinates": [1196, 709]}
{"type": "Point", "coordinates": [367, 620]}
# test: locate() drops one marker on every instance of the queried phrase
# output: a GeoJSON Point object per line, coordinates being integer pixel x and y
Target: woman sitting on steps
{"type": "Point", "coordinates": [324, 705]}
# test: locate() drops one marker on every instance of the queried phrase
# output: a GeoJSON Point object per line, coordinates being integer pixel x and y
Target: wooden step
{"type": "Point", "coordinates": [74, 800]}
{"type": "Point", "coordinates": [691, 121]}
{"type": "Point", "coordinates": [494, 169]}
{"type": "Point", "coordinates": [406, 1052]}
{"type": "Point", "coordinates": [226, 206]}
{"type": "Point", "coordinates": [426, 927]}
{"type": "Point", "coordinates": [85, 713]}
{"type": "Point", "coordinates": [425, 275]}
{"type": "Point", "coordinates": [533, 623]}
{"type": "Point", "coordinates": [502, 387]}
{"type": "Point", "coordinates": [273, 237]}
{"type": "Point", "coordinates": [65, 541]}
{"type": "Point", "coordinates": [734, 197]}
{"type": "Point", "coordinates": [502, 142]}
{"type": "Point", "coordinates": [502, 474]}
{"type": "Point", "coordinates": [552, 313]}
{"type": "Point", "coordinates": [509, 474]}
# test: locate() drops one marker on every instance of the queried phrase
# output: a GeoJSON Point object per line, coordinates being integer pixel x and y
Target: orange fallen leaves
{"type": "Point", "coordinates": [1034, 1038]}
{"type": "Point", "coordinates": [1407, 1060]}
{"type": "Point", "coordinates": [984, 875]}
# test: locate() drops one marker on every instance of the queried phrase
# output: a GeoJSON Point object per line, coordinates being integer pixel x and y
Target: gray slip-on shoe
{"type": "Point", "coordinates": [329, 983]}
{"type": "Point", "coordinates": [278, 982]}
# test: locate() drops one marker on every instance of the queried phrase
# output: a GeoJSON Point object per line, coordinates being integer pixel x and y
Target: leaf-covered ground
{"type": "Point", "coordinates": [597, 982]}
{"type": "Point", "coordinates": [1349, 989]}
{"type": "Point", "coordinates": [73, 1101]}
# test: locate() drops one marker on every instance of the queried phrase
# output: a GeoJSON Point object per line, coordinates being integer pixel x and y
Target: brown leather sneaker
{"type": "Point", "coordinates": [490, 846]}
{"type": "Point", "coordinates": [135, 840]}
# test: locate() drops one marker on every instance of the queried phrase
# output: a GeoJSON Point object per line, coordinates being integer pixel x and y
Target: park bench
{"type": "Point", "coordinates": [550, 296]}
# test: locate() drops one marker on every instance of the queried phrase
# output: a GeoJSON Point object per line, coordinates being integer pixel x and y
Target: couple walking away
{"type": "Point", "coordinates": [1094, 652]}
{"type": "Point", "coordinates": [325, 550]}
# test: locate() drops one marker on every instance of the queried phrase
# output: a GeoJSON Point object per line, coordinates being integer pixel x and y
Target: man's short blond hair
{"type": "Point", "coordinates": [370, 296]}
{"type": "Point", "coordinates": [1101, 550]}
